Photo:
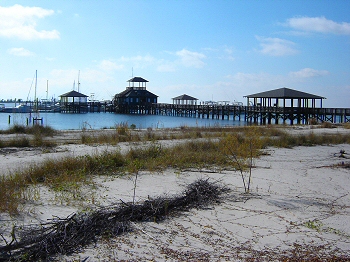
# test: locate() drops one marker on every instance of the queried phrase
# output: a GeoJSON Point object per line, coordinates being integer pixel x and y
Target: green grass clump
{"type": "Point", "coordinates": [56, 174]}
{"type": "Point", "coordinates": [192, 154]}
{"type": "Point", "coordinates": [314, 224]}
{"type": "Point", "coordinates": [112, 138]}
{"type": "Point", "coordinates": [38, 132]}
{"type": "Point", "coordinates": [11, 189]}
{"type": "Point", "coordinates": [17, 142]}
{"type": "Point", "coordinates": [16, 129]}
{"type": "Point", "coordinates": [196, 154]}
{"type": "Point", "coordinates": [288, 141]}
{"type": "Point", "coordinates": [21, 129]}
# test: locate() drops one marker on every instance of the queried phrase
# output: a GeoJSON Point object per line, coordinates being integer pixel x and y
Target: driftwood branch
{"type": "Point", "coordinates": [71, 234]}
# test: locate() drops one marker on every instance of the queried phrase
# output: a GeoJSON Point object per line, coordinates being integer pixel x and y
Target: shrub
{"type": "Point", "coordinates": [327, 125]}
{"type": "Point", "coordinates": [241, 149]}
{"type": "Point", "coordinates": [312, 121]}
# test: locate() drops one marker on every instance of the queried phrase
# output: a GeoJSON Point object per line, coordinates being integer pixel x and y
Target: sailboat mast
{"type": "Point", "coordinates": [36, 80]}
{"type": "Point", "coordinates": [78, 81]}
{"type": "Point", "coordinates": [47, 90]}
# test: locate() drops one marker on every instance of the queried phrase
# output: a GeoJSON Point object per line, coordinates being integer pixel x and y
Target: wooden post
{"type": "Point", "coordinates": [292, 112]}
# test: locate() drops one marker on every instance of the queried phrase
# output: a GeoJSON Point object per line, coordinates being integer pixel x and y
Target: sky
{"type": "Point", "coordinates": [218, 50]}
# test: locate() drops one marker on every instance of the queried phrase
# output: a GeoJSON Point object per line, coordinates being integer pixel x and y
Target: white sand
{"type": "Point", "coordinates": [291, 187]}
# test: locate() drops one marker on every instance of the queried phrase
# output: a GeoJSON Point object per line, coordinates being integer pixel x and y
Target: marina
{"type": "Point", "coordinates": [170, 116]}
{"type": "Point", "coordinates": [137, 104]}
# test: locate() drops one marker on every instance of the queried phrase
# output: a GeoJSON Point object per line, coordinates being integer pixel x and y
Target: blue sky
{"type": "Point", "coordinates": [212, 50]}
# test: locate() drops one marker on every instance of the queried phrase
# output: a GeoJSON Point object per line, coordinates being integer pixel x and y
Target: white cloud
{"type": "Point", "coordinates": [191, 59]}
{"type": "Point", "coordinates": [139, 61]}
{"type": "Point", "coordinates": [261, 80]}
{"type": "Point", "coordinates": [146, 58]}
{"type": "Point", "coordinates": [20, 52]}
{"type": "Point", "coordinates": [108, 65]}
{"type": "Point", "coordinates": [166, 67]}
{"type": "Point", "coordinates": [308, 72]}
{"type": "Point", "coordinates": [229, 54]}
{"type": "Point", "coordinates": [276, 46]}
{"type": "Point", "coordinates": [319, 24]}
{"type": "Point", "coordinates": [20, 21]}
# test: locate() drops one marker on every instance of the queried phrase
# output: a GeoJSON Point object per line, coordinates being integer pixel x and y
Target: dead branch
{"type": "Point", "coordinates": [69, 235]}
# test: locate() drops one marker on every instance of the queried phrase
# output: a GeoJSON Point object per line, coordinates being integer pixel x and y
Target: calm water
{"type": "Point", "coordinates": [106, 120]}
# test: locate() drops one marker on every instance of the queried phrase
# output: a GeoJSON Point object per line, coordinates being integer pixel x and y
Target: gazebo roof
{"type": "Point", "coordinates": [135, 93]}
{"type": "Point", "coordinates": [73, 94]}
{"type": "Point", "coordinates": [184, 97]}
{"type": "Point", "coordinates": [137, 79]}
{"type": "Point", "coordinates": [284, 93]}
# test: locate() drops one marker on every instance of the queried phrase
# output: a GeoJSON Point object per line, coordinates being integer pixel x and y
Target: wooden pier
{"type": "Point", "coordinates": [292, 115]}
{"type": "Point", "coordinates": [250, 114]}
{"type": "Point", "coordinates": [87, 107]}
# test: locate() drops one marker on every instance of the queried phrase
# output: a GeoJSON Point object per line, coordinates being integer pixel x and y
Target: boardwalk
{"type": "Point", "coordinates": [250, 114]}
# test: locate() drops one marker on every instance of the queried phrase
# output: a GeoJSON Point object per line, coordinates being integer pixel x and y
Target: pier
{"type": "Point", "coordinates": [250, 114]}
{"type": "Point", "coordinates": [279, 106]}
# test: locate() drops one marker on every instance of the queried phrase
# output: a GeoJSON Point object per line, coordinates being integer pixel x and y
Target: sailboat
{"type": "Point", "coordinates": [36, 117]}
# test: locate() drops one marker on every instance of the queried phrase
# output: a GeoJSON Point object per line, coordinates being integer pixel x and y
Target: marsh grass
{"type": "Point", "coordinates": [125, 134]}
{"type": "Point", "coordinates": [37, 132]}
{"type": "Point", "coordinates": [288, 141]}
{"type": "Point", "coordinates": [12, 189]}
{"type": "Point", "coordinates": [196, 154]}
{"type": "Point", "coordinates": [64, 175]}
{"type": "Point", "coordinates": [327, 125]}
{"type": "Point", "coordinates": [121, 133]}
{"type": "Point", "coordinates": [68, 174]}
{"type": "Point", "coordinates": [21, 129]}
{"type": "Point", "coordinates": [20, 141]}
{"type": "Point", "coordinates": [192, 154]}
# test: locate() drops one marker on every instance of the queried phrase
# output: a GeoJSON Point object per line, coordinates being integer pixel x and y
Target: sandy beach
{"type": "Point", "coordinates": [299, 198]}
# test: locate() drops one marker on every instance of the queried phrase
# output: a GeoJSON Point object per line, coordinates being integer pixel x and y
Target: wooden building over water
{"type": "Point", "coordinates": [73, 102]}
{"type": "Point", "coordinates": [136, 99]}
{"type": "Point", "coordinates": [185, 100]}
{"type": "Point", "coordinates": [283, 104]}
